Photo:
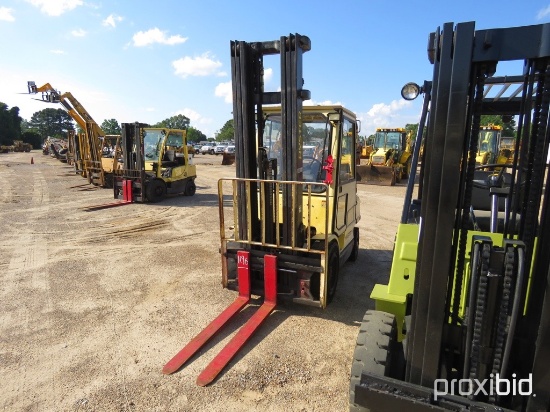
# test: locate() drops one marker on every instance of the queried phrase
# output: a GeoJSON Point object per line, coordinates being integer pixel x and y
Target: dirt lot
{"type": "Point", "coordinates": [93, 304]}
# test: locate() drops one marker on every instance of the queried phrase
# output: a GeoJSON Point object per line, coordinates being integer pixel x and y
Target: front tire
{"type": "Point", "coordinates": [156, 190]}
{"type": "Point", "coordinates": [355, 250]}
{"type": "Point", "coordinates": [376, 352]}
{"type": "Point", "coordinates": [333, 270]}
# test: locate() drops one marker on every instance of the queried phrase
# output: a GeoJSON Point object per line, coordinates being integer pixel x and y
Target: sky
{"type": "Point", "coordinates": [146, 61]}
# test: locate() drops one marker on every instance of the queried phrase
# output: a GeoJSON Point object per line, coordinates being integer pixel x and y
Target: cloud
{"type": "Point", "coordinates": [542, 13]}
{"type": "Point", "coordinates": [196, 66]}
{"type": "Point", "coordinates": [57, 51]}
{"type": "Point", "coordinates": [145, 38]}
{"type": "Point", "coordinates": [79, 33]}
{"type": "Point", "coordinates": [6, 14]}
{"type": "Point", "coordinates": [224, 90]}
{"type": "Point", "coordinates": [194, 117]}
{"type": "Point", "coordinates": [55, 7]}
{"type": "Point", "coordinates": [268, 74]}
{"type": "Point", "coordinates": [383, 115]}
{"type": "Point", "coordinates": [323, 103]}
{"type": "Point", "coordinates": [112, 20]}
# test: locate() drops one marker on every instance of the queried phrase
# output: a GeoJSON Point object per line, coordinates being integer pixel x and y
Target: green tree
{"type": "Point", "coordinates": [508, 127]}
{"type": "Point", "coordinates": [111, 126]}
{"type": "Point", "coordinates": [227, 132]}
{"type": "Point", "coordinates": [175, 122]}
{"type": "Point", "coordinates": [195, 135]}
{"type": "Point", "coordinates": [10, 124]}
{"type": "Point", "coordinates": [32, 138]}
{"type": "Point", "coordinates": [51, 122]}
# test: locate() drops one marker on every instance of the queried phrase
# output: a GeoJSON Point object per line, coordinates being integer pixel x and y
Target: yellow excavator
{"type": "Point", "coordinates": [389, 161]}
{"type": "Point", "coordinates": [99, 153]}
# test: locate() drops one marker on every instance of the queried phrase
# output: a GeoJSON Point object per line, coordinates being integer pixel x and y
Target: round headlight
{"type": "Point", "coordinates": [410, 91]}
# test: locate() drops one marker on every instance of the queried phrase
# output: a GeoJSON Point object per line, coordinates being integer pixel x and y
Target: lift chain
{"type": "Point", "coordinates": [503, 316]}
{"type": "Point", "coordinates": [479, 311]}
{"type": "Point", "coordinates": [467, 201]}
{"type": "Point", "coordinates": [535, 167]}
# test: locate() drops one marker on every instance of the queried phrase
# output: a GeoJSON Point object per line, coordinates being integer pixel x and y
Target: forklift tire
{"type": "Point", "coordinates": [333, 270]}
{"type": "Point", "coordinates": [355, 250]}
{"type": "Point", "coordinates": [156, 190]}
{"type": "Point", "coordinates": [375, 350]}
{"type": "Point", "coordinates": [190, 188]}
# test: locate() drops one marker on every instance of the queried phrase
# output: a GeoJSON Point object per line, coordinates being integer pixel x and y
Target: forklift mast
{"type": "Point", "coordinates": [248, 99]}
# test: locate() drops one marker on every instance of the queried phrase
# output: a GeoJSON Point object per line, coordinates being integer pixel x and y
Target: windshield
{"type": "Point", "coordinates": [387, 140]}
{"type": "Point", "coordinates": [152, 142]}
{"type": "Point", "coordinates": [315, 147]}
{"type": "Point", "coordinates": [488, 141]}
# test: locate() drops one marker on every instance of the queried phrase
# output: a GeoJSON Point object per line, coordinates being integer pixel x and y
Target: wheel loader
{"type": "Point", "coordinates": [155, 163]}
{"type": "Point", "coordinates": [288, 218]}
{"type": "Point", "coordinates": [390, 159]}
{"type": "Point", "coordinates": [488, 151]}
{"type": "Point", "coordinates": [463, 323]}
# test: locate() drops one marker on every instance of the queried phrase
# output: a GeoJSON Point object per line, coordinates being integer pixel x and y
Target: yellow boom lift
{"type": "Point", "coordinates": [99, 152]}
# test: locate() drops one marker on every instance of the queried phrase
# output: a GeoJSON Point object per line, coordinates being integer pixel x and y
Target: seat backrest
{"type": "Point", "coordinates": [169, 156]}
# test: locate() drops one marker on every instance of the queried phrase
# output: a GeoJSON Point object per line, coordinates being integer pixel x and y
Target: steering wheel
{"type": "Point", "coordinates": [313, 166]}
{"type": "Point", "coordinates": [492, 180]}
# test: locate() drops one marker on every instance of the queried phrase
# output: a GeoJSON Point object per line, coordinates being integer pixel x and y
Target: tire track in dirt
{"type": "Point", "coordinates": [27, 274]}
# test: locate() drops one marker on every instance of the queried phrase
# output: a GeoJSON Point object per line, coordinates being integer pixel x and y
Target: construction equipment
{"type": "Point", "coordinates": [464, 321]}
{"type": "Point", "coordinates": [288, 219]}
{"type": "Point", "coordinates": [489, 144]}
{"type": "Point", "coordinates": [20, 146]}
{"type": "Point", "coordinates": [97, 167]}
{"type": "Point", "coordinates": [155, 163]}
{"type": "Point", "coordinates": [389, 161]}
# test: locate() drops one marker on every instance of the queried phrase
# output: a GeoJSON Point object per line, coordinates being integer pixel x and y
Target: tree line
{"type": "Point", "coordinates": [57, 123]}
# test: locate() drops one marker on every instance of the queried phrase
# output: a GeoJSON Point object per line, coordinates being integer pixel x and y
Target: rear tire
{"type": "Point", "coordinates": [376, 352]}
{"type": "Point", "coordinates": [190, 188]}
{"type": "Point", "coordinates": [156, 190]}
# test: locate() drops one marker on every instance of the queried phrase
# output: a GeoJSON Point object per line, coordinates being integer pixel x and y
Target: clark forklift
{"type": "Point", "coordinates": [464, 321]}
{"type": "Point", "coordinates": [155, 163]}
{"type": "Point", "coordinates": [288, 219]}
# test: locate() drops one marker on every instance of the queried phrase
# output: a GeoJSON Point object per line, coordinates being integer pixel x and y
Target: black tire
{"type": "Point", "coordinates": [190, 188]}
{"type": "Point", "coordinates": [375, 351]}
{"type": "Point", "coordinates": [333, 270]}
{"type": "Point", "coordinates": [355, 250]}
{"type": "Point", "coordinates": [156, 190]}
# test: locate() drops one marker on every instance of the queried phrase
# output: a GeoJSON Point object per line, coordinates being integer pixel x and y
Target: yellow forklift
{"type": "Point", "coordinates": [288, 219]}
{"type": "Point", "coordinates": [155, 163]}
{"type": "Point", "coordinates": [463, 323]}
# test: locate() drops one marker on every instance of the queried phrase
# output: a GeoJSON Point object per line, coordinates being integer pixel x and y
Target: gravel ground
{"type": "Point", "coordinates": [94, 303]}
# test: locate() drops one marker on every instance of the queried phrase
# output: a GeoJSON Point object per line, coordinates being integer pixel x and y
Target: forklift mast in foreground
{"type": "Point", "coordinates": [464, 321]}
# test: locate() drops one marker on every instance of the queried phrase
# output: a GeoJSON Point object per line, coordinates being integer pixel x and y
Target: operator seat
{"type": "Point", "coordinates": [169, 159]}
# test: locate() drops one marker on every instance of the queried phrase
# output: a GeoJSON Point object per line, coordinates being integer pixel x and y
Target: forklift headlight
{"type": "Point", "coordinates": [410, 91]}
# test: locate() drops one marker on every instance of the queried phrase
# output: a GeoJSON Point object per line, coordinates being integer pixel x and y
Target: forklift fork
{"type": "Point", "coordinates": [246, 331]}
